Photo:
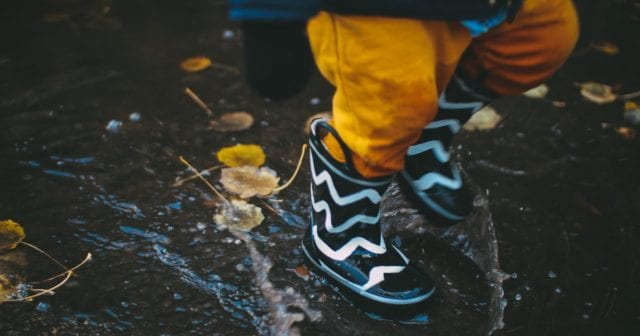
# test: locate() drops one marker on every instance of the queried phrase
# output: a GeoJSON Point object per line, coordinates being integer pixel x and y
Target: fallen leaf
{"type": "Point", "coordinates": [320, 115]}
{"type": "Point", "coordinates": [242, 155]}
{"type": "Point", "coordinates": [238, 214]}
{"type": "Point", "coordinates": [538, 92]}
{"type": "Point", "coordinates": [302, 272]}
{"type": "Point", "coordinates": [597, 93]}
{"type": "Point", "coordinates": [626, 132]}
{"type": "Point", "coordinates": [485, 119]}
{"type": "Point", "coordinates": [606, 47]}
{"type": "Point", "coordinates": [11, 234]}
{"type": "Point", "coordinates": [232, 122]}
{"type": "Point", "coordinates": [12, 272]}
{"type": "Point", "coordinates": [632, 113]}
{"type": "Point", "coordinates": [195, 64]}
{"type": "Point", "coordinates": [249, 181]}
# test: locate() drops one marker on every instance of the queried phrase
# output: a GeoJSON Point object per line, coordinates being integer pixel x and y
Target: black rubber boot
{"type": "Point", "coordinates": [429, 173]}
{"type": "Point", "coordinates": [345, 240]}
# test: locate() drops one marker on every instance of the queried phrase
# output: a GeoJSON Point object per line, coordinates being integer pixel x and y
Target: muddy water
{"type": "Point", "coordinates": [93, 119]}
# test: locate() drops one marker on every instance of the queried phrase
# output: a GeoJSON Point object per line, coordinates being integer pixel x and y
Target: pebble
{"type": "Point", "coordinates": [135, 117]}
{"type": "Point", "coordinates": [114, 126]}
{"type": "Point", "coordinates": [518, 297]}
{"type": "Point", "coordinates": [43, 307]}
{"type": "Point", "coordinates": [228, 34]}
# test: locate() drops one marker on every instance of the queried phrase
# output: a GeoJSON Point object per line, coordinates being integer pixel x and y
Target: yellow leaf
{"type": "Point", "coordinates": [483, 120]}
{"type": "Point", "coordinates": [232, 122]}
{"type": "Point", "coordinates": [195, 64]}
{"type": "Point", "coordinates": [242, 155]}
{"type": "Point", "coordinates": [11, 234]}
{"type": "Point", "coordinates": [248, 181]}
{"type": "Point", "coordinates": [538, 92]}
{"type": "Point", "coordinates": [239, 214]}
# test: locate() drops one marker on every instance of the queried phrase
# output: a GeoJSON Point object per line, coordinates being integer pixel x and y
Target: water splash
{"type": "Point", "coordinates": [279, 300]}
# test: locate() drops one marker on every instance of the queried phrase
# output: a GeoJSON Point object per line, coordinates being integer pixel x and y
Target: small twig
{"type": "Point", "coordinates": [51, 290]}
{"type": "Point", "coordinates": [87, 258]}
{"type": "Point", "coordinates": [199, 101]}
{"type": "Point", "coordinates": [295, 173]}
{"type": "Point", "coordinates": [629, 96]}
{"type": "Point", "coordinates": [45, 253]}
{"type": "Point", "coordinates": [182, 181]}
{"type": "Point", "coordinates": [226, 67]}
{"type": "Point", "coordinates": [204, 179]}
{"type": "Point", "coordinates": [269, 207]}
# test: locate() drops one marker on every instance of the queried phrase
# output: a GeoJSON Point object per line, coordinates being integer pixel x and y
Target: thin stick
{"type": "Point", "coordinates": [199, 101]}
{"type": "Point", "coordinates": [295, 173]}
{"type": "Point", "coordinates": [269, 207]}
{"type": "Point", "coordinates": [182, 181]}
{"type": "Point", "coordinates": [226, 67]}
{"type": "Point", "coordinates": [629, 96]}
{"type": "Point", "coordinates": [45, 253]}
{"type": "Point", "coordinates": [86, 259]}
{"type": "Point", "coordinates": [51, 290]}
{"type": "Point", "coordinates": [203, 179]}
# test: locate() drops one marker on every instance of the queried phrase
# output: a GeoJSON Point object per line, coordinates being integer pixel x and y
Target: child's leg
{"type": "Point", "coordinates": [508, 60]}
{"type": "Point", "coordinates": [388, 75]}
{"type": "Point", "coordinates": [517, 56]}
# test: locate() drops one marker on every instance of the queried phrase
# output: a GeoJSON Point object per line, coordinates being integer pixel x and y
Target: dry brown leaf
{"type": "Point", "coordinates": [11, 234]}
{"type": "Point", "coordinates": [302, 272]}
{"type": "Point", "coordinates": [238, 214]}
{"type": "Point", "coordinates": [483, 120]}
{"type": "Point", "coordinates": [626, 132]}
{"type": "Point", "coordinates": [12, 272]}
{"type": "Point", "coordinates": [606, 47]}
{"type": "Point", "coordinates": [249, 181]}
{"type": "Point", "coordinates": [195, 64]}
{"type": "Point", "coordinates": [232, 122]}
{"type": "Point", "coordinates": [242, 155]}
{"type": "Point", "coordinates": [538, 92]}
{"type": "Point", "coordinates": [320, 115]}
{"type": "Point", "coordinates": [597, 93]}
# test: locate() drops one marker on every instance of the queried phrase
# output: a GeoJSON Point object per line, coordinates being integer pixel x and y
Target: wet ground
{"type": "Point", "coordinates": [557, 206]}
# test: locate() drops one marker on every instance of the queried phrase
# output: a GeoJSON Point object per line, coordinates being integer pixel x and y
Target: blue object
{"type": "Point", "coordinates": [479, 27]}
{"type": "Point", "coordinates": [273, 10]}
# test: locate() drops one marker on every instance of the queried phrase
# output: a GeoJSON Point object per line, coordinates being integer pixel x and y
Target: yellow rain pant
{"type": "Point", "coordinates": [389, 72]}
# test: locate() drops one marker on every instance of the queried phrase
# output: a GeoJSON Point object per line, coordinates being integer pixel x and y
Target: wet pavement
{"type": "Point", "coordinates": [557, 192]}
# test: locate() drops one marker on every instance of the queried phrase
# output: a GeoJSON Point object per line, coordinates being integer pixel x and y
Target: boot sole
{"type": "Point", "coordinates": [398, 310]}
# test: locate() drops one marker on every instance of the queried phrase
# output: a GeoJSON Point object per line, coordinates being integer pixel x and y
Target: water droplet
{"type": "Point", "coordinates": [135, 117]}
{"type": "Point", "coordinates": [558, 290]}
{"type": "Point", "coordinates": [514, 275]}
{"type": "Point", "coordinates": [518, 297]}
{"type": "Point", "coordinates": [315, 101]}
{"type": "Point", "coordinates": [588, 304]}
{"type": "Point", "coordinates": [228, 34]}
{"type": "Point", "coordinates": [552, 275]}
{"type": "Point", "coordinates": [124, 304]}
{"type": "Point", "coordinates": [114, 126]}
{"type": "Point", "coordinates": [43, 307]}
